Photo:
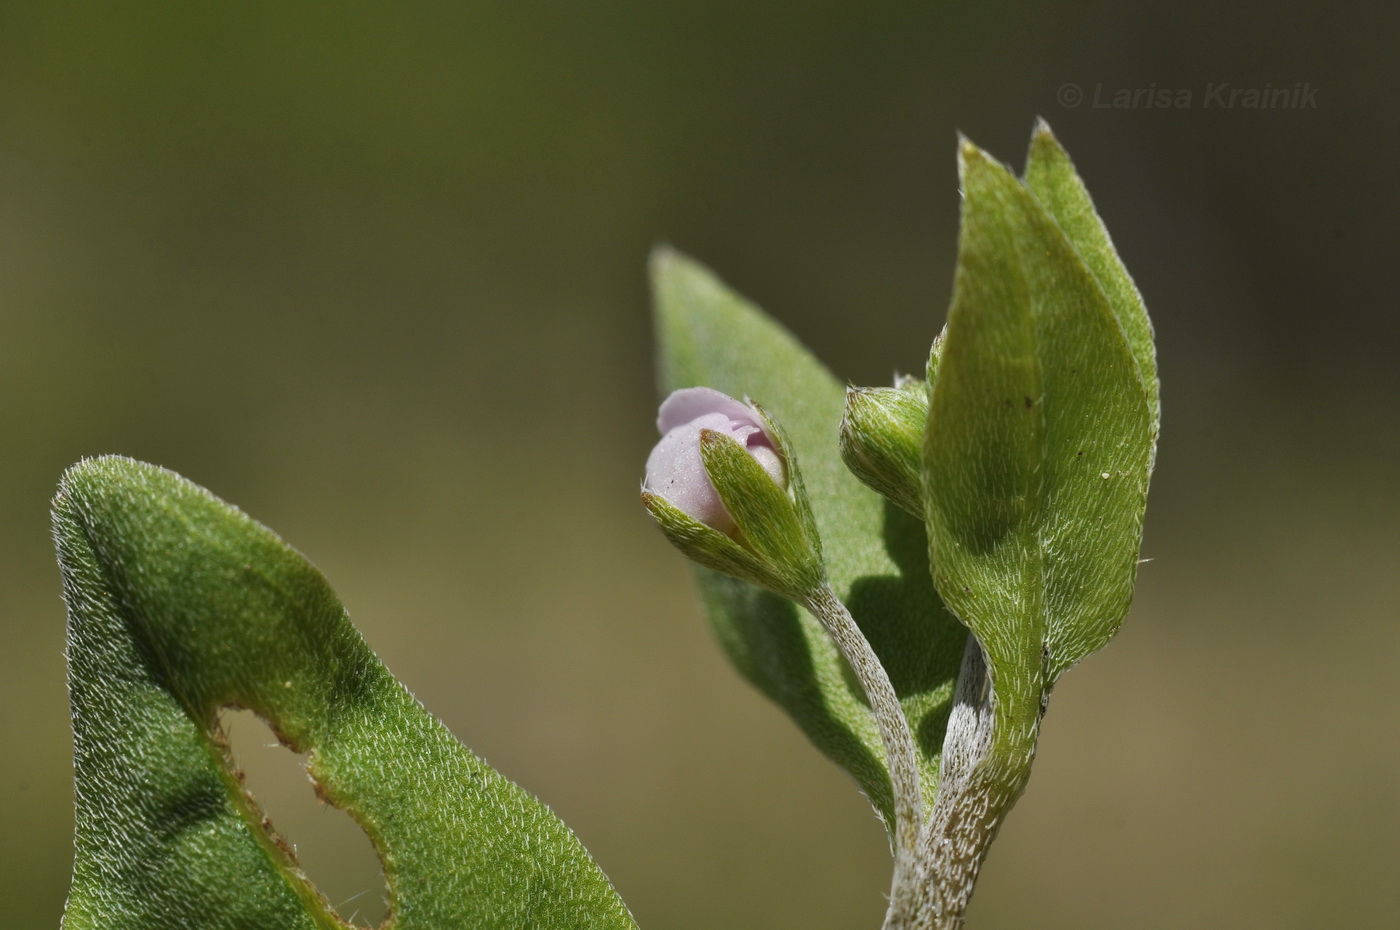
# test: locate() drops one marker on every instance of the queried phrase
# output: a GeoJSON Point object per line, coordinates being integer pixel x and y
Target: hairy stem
{"type": "Point", "coordinates": [899, 751]}
{"type": "Point", "coordinates": [981, 778]}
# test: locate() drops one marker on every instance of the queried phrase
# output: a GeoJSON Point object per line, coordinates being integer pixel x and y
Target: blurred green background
{"type": "Point", "coordinates": [376, 274]}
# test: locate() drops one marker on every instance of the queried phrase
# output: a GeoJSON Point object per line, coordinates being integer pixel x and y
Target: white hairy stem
{"type": "Point", "coordinates": [977, 786]}
{"type": "Point", "coordinates": [899, 753]}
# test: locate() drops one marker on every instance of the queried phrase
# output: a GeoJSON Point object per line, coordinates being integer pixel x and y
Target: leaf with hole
{"type": "Point", "coordinates": [180, 605]}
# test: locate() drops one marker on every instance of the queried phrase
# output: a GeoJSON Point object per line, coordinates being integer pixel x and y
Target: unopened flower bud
{"type": "Point", "coordinates": [724, 489]}
{"type": "Point", "coordinates": [675, 469]}
{"type": "Point", "coordinates": [882, 436]}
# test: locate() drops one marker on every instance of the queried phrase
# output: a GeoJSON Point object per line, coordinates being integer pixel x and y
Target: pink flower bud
{"type": "Point", "coordinates": [675, 470]}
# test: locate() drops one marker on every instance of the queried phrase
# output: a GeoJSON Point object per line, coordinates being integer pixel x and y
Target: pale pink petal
{"type": "Point", "coordinates": [771, 462]}
{"type": "Point", "coordinates": [675, 468]}
{"type": "Point", "coordinates": [690, 403]}
{"type": "Point", "coordinates": [676, 472]}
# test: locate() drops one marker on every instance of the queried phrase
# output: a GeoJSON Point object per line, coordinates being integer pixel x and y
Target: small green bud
{"type": "Point", "coordinates": [725, 489]}
{"type": "Point", "coordinates": [882, 436]}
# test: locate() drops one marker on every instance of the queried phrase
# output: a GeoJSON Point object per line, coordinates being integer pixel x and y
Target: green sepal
{"type": "Point", "coordinates": [1037, 449]}
{"type": "Point", "coordinates": [180, 605]}
{"type": "Point", "coordinates": [718, 551]}
{"type": "Point", "coordinates": [882, 438]}
{"type": "Point", "coordinates": [796, 486]}
{"type": "Point", "coordinates": [768, 520]}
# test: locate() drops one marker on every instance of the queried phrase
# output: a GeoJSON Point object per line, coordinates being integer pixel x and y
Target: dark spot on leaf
{"type": "Point", "coordinates": [1029, 403]}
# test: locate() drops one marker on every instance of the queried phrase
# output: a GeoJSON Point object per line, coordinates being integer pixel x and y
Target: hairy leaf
{"type": "Point", "coordinates": [1037, 451]}
{"type": "Point", "coordinates": [180, 605]}
{"type": "Point", "coordinates": [1051, 177]}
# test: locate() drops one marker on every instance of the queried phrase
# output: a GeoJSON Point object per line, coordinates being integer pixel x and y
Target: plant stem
{"type": "Point", "coordinates": [899, 752]}
{"type": "Point", "coordinates": [983, 773]}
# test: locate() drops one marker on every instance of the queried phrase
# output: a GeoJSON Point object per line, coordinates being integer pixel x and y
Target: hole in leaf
{"type": "Point", "coordinates": [330, 847]}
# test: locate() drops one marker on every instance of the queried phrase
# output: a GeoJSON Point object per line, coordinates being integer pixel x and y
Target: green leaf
{"type": "Point", "coordinates": [180, 605]}
{"type": "Point", "coordinates": [1038, 447]}
{"type": "Point", "coordinates": [1051, 177]}
{"type": "Point", "coordinates": [875, 553]}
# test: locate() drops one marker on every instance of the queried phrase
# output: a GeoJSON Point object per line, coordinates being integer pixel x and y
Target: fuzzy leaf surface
{"type": "Point", "coordinates": [1038, 446]}
{"type": "Point", "coordinates": [1051, 177]}
{"type": "Point", "coordinates": [180, 605]}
